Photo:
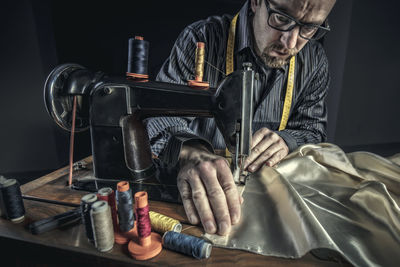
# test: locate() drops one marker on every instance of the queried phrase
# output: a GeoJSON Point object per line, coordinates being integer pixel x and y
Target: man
{"type": "Point", "coordinates": [268, 34]}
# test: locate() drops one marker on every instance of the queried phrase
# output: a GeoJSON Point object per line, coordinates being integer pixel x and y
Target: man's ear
{"type": "Point", "coordinates": [255, 4]}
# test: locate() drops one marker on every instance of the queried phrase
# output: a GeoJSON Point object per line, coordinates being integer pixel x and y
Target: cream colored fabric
{"type": "Point", "coordinates": [321, 198]}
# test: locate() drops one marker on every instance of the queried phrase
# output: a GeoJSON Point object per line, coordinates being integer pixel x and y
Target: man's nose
{"type": "Point", "coordinates": [289, 38]}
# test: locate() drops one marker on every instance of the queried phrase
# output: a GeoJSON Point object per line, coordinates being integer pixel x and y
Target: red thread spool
{"type": "Point", "coordinates": [123, 238]}
{"type": "Point", "coordinates": [147, 244]}
{"type": "Point", "coordinates": [108, 195]}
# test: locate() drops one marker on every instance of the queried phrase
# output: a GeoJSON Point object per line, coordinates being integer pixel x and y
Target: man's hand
{"type": "Point", "coordinates": [208, 191]}
{"type": "Point", "coordinates": [267, 147]}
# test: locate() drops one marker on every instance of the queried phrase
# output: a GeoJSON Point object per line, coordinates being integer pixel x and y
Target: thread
{"type": "Point", "coordinates": [12, 206]}
{"type": "Point", "coordinates": [102, 226]}
{"type": "Point", "coordinates": [86, 204]}
{"type": "Point", "coordinates": [71, 142]}
{"type": "Point", "coordinates": [198, 82]}
{"type": "Point", "coordinates": [143, 222]}
{"type": "Point", "coordinates": [147, 244]}
{"type": "Point", "coordinates": [108, 195]}
{"type": "Point", "coordinates": [199, 62]}
{"type": "Point", "coordinates": [138, 55]}
{"type": "Point", "coordinates": [161, 223]}
{"type": "Point", "coordinates": [125, 207]}
{"type": "Point", "coordinates": [187, 244]}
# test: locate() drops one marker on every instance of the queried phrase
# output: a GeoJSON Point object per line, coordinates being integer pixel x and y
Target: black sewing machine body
{"type": "Point", "coordinates": [114, 108]}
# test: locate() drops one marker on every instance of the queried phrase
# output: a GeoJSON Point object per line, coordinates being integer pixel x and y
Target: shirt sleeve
{"type": "Point", "coordinates": [308, 121]}
{"type": "Point", "coordinates": [168, 134]}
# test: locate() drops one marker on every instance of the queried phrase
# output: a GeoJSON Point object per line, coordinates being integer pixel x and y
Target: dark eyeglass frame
{"type": "Point", "coordinates": [321, 30]}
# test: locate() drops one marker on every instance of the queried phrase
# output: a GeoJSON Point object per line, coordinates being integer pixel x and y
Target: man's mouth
{"type": "Point", "coordinates": [280, 53]}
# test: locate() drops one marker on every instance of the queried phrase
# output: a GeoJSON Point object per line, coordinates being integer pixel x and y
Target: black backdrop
{"type": "Point", "coordinates": [38, 35]}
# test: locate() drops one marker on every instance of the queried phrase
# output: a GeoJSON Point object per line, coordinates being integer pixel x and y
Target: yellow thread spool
{"type": "Point", "coordinates": [198, 82]}
{"type": "Point", "coordinates": [161, 223]}
{"type": "Point", "coordinates": [199, 62]}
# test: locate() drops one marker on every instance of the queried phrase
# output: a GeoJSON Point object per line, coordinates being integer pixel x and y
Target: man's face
{"type": "Point", "coordinates": [277, 47]}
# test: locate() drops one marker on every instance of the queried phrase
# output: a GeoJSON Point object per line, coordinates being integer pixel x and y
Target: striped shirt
{"type": "Point", "coordinates": [308, 113]}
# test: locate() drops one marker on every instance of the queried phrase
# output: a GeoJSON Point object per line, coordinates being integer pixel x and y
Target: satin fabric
{"type": "Point", "coordinates": [323, 200]}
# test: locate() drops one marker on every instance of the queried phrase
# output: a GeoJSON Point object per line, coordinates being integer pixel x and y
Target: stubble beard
{"type": "Point", "coordinates": [276, 62]}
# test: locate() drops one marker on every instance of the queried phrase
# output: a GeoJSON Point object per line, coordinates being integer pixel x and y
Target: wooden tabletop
{"type": "Point", "coordinates": [69, 246]}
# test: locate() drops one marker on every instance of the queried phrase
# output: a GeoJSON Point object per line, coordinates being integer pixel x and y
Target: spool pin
{"type": "Point", "coordinates": [120, 237]}
{"type": "Point", "coordinates": [198, 83]}
{"type": "Point", "coordinates": [144, 248]}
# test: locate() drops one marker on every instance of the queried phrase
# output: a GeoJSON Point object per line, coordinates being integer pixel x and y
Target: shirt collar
{"type": "Point", "coordinates": [244, 34]}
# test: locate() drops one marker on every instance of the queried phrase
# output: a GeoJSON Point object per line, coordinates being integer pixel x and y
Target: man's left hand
{"type": "Point", "coordinates": [268, 148]}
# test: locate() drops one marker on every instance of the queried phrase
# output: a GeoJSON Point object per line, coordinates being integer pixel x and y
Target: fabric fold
{"type": "Point", "coordinates": [322, 198]}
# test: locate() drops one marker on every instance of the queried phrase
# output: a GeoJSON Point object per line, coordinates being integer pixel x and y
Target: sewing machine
{"type": "Point", "coordinates": [114, 107]}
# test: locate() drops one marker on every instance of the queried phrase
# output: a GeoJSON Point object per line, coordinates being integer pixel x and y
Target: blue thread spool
{"type": "Point", "coordinates": [125, 207]}
{"type": "Point", "coordinates": [86, 205]}
{"type": "Point", "coordinates": [11, 204]}
{"type": "Point", "coordinates": [187, 244]}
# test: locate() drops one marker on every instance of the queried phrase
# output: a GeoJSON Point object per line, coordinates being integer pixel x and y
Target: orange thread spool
{"type": "Point", "coordinates": [198, 83]}
{"type": "Point", "coordinates": [144, 248]}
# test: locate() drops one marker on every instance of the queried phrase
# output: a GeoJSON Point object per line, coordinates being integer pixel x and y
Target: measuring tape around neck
{"type": "Point", "coordinates": [290, 82]}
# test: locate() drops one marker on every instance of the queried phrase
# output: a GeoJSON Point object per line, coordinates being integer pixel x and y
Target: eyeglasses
{"type": "Point", "coordinates": [283, 22]}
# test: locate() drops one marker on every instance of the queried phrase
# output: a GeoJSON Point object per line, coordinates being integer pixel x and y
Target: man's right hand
{"type": "Point", "coordinates": [207, 189]}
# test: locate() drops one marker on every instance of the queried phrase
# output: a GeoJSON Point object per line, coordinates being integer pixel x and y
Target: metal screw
{"type": "Point", "coordinates": [247, 65]}
{"type": "Point", "coordinates": [107, 91]}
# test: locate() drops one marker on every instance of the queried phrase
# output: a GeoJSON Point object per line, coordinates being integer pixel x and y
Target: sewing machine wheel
{"type": "Point", "coordinates": [59, 104]}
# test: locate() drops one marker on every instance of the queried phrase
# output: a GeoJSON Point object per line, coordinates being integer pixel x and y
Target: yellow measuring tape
{"type": "Point", "coordinates": [290, 84]}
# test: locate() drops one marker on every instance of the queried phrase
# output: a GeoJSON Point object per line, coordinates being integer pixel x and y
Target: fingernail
{"type": "Point", "coordinates": [210, 227]}
{"type": "Point", "coordinates": [193, 219]}
{"type": "Point", "coordinates": [235, 219]}
{"type": "Point", "coordinates": [251, 169]}
{"type": "Point", "coordinates": [269, 163]}
{"type": "Point", "coordinates": [223, 228]}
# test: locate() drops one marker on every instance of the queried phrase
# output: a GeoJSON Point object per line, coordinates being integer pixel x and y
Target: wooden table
{"type": "Point", "coordinates": [70, 247]}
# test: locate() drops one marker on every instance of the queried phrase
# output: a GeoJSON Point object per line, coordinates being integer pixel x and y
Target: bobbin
{"type": "Point", "coordinates": [205, 250]}
{"type": "Point", "coordinates": [167, 223]}
{"type": "Point", "coordinates": [106, 243]}
{"type": "Point", "coordinates": [4, 210]}
{"type": "Point", "coordinates": [144, 248]}
{"type": "Point", "coordinates": [198, 82]}
{"type": "Point", "coordinates": [131, 73]}
{"type": "Point", "coordinates": [86, 204]}
{"type": "Point", "coordinates": [107, 194]}
{"type": "Point", "coordinates": [121, 237]}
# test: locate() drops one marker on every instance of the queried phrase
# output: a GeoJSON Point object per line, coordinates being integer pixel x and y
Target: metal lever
{"type": "Point", "coordinates": [244, 133]}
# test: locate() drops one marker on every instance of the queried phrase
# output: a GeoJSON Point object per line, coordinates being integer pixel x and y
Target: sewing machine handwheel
{"type": "Point", "coordinates": [59, 104]}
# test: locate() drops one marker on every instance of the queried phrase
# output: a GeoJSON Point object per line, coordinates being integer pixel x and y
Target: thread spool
{"type": "Point", "coordinates": [187, 244]}
{"type": "Point", "coordinates": [161, 223]}
{"type": "Point", "coordinates": [126, 221]}
{"type": "Point", "coordinates": [102, 226]}
{"type": "Point", "coordinates": [86, 204]}
{"type": "Point", "coordinates": [147, 244]}
{"type": "Point", "coordinates": [138, 59]}
{"type": "Point", "coordinates": [108, 195]}
{"type": "Point", "coordinates": [198, 82]}
{"type": "Point", "coordinates": [12, 205]}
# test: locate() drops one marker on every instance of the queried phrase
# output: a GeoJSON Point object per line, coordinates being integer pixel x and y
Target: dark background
{"type": "Point", "coordinates": [36, 36]}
